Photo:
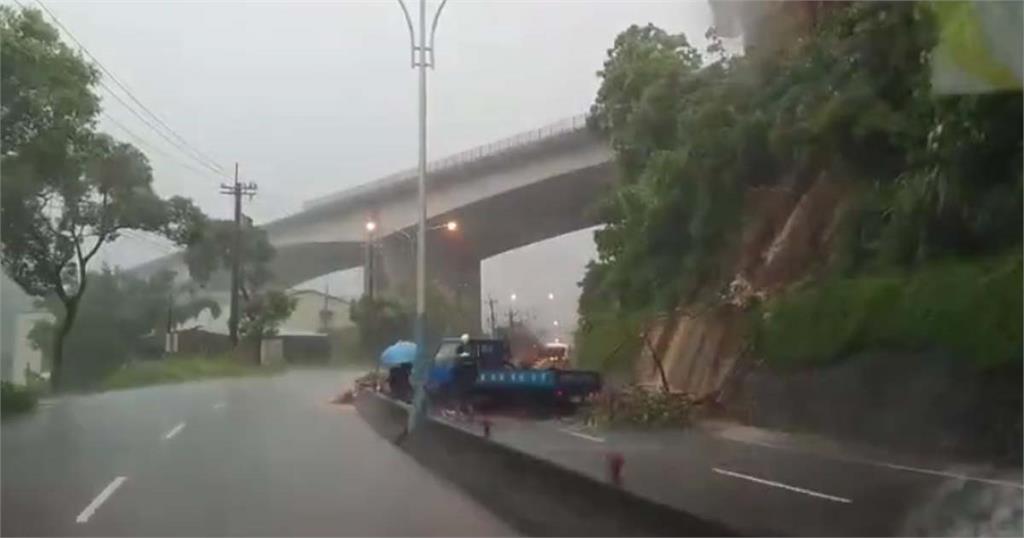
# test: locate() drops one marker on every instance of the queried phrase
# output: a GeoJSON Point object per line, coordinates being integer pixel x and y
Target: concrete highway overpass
{"type": "Point", "coordinates": [504, 195]}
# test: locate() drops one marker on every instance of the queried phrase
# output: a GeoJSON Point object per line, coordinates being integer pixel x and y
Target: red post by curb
{"type": "Point", "coordinates": [615, 463]}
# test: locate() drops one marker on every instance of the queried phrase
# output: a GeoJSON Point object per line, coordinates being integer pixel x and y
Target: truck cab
{"type": "Point", "coordinates": [466, 368]}
{"type": "Point", "coordinates": [466, 353]}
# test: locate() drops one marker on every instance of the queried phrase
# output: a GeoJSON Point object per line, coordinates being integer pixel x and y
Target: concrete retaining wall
{"type": "Point", "coordinates": [535, 496]}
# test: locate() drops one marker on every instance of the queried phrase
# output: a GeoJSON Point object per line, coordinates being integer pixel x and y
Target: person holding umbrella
{"type": "Point", "coordinates": [398, 358]}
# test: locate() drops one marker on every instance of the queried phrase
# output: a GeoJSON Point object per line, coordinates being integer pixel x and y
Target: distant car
{"type": "Point", "coordinates": [552, 355]}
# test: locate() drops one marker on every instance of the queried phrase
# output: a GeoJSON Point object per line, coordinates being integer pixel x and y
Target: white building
{"type": "Point", "coordinates": [316, 312]}
{"type": "Point", "coordinates": [17, 356]}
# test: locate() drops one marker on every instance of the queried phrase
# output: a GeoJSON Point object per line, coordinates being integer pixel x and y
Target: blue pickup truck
{"type": "Point", "coordinates": [480, 369]}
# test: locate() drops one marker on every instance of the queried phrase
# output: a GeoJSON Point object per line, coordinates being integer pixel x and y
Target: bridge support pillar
{"type": "Point", "coordinates": [453, 274]}
{"type": "Point", "coordinates": [453, 279]}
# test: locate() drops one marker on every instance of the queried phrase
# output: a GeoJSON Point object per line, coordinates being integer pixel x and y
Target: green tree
{"type": "Point", "coordinates": [185, 301]}
{"type": "Point", "coordinates": [120, 316]}
{"type": "Point", "coordinates": [67, 189]}
{"type": "Point", "coordinates": [213, 252]}
{"type": "Point", "coordinates": [264, 313]}
{"type": "Point", "coordinates": [211, 256]}
{"type": "Point", "coordinates": [846, 100]}
{"type": "Point", "coordinates": [381, 322]}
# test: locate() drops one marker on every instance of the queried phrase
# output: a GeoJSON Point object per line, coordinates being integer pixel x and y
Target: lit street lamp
{"type": "Point", "coordinates": [512, 297]}
{"type": "Point", "coordinates": [555, 323]}
{"type": "Point", "coordinates": [450, 226]}
{"type": "Point", "coordinates": [551, 296]}
{"type": "Point", "coordinates": [368, 264]}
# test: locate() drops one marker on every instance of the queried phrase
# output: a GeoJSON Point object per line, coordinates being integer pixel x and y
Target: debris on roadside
{"type": "Point", "coordinates": [635, 405]}
{"type": "Point", "coordinates": [345, 398]}
{"type": "Point", "coordinates": [371, 380]}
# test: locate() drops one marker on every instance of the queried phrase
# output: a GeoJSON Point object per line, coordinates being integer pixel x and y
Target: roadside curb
{"type": "Point", "coordinates": [536, 496]}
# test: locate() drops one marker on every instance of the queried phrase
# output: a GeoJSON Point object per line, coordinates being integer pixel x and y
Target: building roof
{"type": "Point", "coordinates": [320, 294]}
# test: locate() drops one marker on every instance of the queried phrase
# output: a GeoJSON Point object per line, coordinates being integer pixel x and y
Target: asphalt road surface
{"type": "Point", "coordinates": [764, 483]}
{"type": "Point", "coordinates": [256, 456]}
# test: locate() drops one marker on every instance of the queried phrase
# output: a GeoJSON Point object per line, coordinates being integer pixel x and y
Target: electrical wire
{"type": "Point", "coordinates": [181, 144]}
{"type": "Point", "coordinates": [153, 147]}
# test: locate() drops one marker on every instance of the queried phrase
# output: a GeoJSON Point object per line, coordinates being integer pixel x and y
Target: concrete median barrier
{"type": "Point", "coordinates": [536, 496]}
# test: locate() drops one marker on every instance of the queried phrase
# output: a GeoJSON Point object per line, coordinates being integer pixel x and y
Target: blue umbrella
{"type": "Point", "coordinates": [398, 353]}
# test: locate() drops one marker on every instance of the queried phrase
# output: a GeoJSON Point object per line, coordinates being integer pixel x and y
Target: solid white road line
{"type": "Point", "coordinates": [957, 476]}
{"type": "Point", "coordinates": [219, 405]}
{"type": "Point", "coordinates": [100, 499]}
{"type": "Point", "coordinates": [174, 431]}
{"type": "Point", "coordinates": [894, 466]}
{"type": "Point", "coordinates": [781, 485]}
{"type": "Point", "coordinates": [582, 435]}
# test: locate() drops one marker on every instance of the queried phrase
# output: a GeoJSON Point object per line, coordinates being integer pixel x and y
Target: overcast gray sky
{"type": "Point", "coordinates": [313, 97]}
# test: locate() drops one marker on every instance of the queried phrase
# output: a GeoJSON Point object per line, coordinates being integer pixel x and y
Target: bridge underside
{"type": "Point", "coordinates": [546, 209]}
{"type": "Point", "coordinates": [555, 206]}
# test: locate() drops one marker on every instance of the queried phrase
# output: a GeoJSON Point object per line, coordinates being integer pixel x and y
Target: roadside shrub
{"type": "Point", "coordinates": [16, 399]}
{"type": "Point", "coordinates": [971, 309]}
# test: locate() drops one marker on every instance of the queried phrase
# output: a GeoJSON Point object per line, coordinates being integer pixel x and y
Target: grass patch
{"type": "Point", "coordinates": [179, 370]}
{"type": "Point", "coordinates": [16, 399]}
{"type": "Point", "coordinates": [971, 309]}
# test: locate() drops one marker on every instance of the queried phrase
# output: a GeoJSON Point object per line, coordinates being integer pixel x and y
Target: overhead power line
{"type": "Point", "coordinates": [180, 141]}
{"type": "Point", "coordinates": [206, 172]}
{"type": "Point", "coordinates": [149, 145]}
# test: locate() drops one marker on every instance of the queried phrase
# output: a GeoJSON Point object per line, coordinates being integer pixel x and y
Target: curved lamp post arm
{"type": "Point", "coordinates": [433, 30]}
{"type": "Point", "coordinates": [412, 33]}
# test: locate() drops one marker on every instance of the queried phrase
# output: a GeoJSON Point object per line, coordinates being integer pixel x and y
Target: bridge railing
{"type": "Point", "coordinates": [558, 128]}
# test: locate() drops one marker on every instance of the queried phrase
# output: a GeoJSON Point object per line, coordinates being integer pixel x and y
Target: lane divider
{"type": "Point", "coordinates": [591, 438]}
{"type": "Point", "coordinates": [219, 405]}
{"type": "Point", "coordinates": [772, 483]}
{"type": "Point", "coordinates": [100, 499]}
{"type": "Point", "coordinates": [174, 431]}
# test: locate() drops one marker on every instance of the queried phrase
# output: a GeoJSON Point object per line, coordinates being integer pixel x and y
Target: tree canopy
{"type": "Point", "coordinates": [848, 101]}
{"type": "Point", "coordinates": [120, 317]}
{"type": "Point", "coordinates": [214, 250]}
{"type": "Point", "coordinates": [68, 189]}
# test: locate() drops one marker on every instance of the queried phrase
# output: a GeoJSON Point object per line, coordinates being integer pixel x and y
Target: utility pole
{"type": "Point", "coordinates": [494, 322]}
{"type": "Point", "coordinates": [370, 266]}
{"type": "Point", "coordinates": [236, 190]}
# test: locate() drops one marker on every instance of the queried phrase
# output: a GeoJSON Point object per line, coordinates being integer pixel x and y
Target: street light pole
{"type": "Point", "coordinates": [422, 56]}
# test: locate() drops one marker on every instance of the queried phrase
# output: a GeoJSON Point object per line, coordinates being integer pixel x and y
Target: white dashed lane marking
{"type": "Point", "coordinates": [174, 431]}
{"type": "Point", "coordinates": [591, 438]}
{"type": "Point", "coordinates": [774, 484]}
{"type": "Point", "coordinates": [99, 500]}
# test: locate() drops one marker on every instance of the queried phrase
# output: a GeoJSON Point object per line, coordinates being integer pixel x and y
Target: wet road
{"type": "Point", "coordinates": [258, 456]}
{"type": "Point", "coordinates": [760, 484]}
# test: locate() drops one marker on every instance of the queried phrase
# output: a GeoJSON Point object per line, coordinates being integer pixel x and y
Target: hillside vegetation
{"type": "Point", "coordinates": [921, 248]}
